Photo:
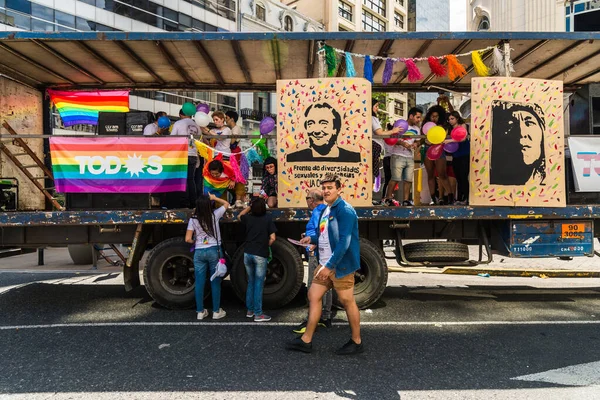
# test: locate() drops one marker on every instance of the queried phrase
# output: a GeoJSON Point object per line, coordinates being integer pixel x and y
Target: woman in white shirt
{"type": "Point", "coordinates": [203, 230]}
{"type": "Point", "coordinates": [221, 130]}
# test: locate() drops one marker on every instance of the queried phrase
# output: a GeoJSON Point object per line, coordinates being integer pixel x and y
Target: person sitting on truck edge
{"type": "Point", "coordinates": [152, 128]}
{"type": "Point", "coordinates": [338, 252]}
{"type": "Point", "coordinates": [314, 201]}
{"type": "Point", "coordinates": [260, 235]}
{"type": "Point", "coordinates": [203, 230]}
{"type": "Point", "coordinates": [231, 118]}
{"type": "Point", "coordinates": [268, 188]}
{"type": "Point", "coordinates": [186, 126]}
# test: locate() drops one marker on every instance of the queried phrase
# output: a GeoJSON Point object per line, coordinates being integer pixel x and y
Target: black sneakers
{"type": "Point", "coordinates": [350, 348]}
{"type": "Point", "coordinates": [298, 345]}
{"type": "Point", "coordinates": [323, 323]}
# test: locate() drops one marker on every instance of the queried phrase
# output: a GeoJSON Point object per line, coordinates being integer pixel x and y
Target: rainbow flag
{"type": "Point", "coordinates": [83, 107]}
{"type": "Point", "coordinates": [119, 165]}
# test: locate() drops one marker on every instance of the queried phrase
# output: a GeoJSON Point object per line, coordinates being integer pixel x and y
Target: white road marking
{"type": "Point", "coordinates": [366, 323]}
{"type": "Point", "coordinates": [587, 374]}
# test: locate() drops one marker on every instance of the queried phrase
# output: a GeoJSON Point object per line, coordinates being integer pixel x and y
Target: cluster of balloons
{"type": "Point", "coordinates": [403, 125]}
{"type": "Point", "coordinates": [436, 136]}
{"type": "Point", "coordinates": [201, 115]}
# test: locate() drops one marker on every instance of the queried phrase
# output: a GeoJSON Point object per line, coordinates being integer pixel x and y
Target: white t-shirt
{"type": "Point", "coordinates": [203, 240]}
{"type": "Point", "coordinates": [377, 125]}
{"type": "Point", "coordinates": [150, 129]}
{"type": "Point", "coordinates": [324, 245]}
{"type": "Point", "coordinates": [186, 127]}
{"type": "Point", "coordinates": [222, 145]}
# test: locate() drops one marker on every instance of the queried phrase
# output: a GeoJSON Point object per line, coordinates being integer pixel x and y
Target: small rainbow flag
{"type": "Point", "coordinates": [119, 165]}
{"type": "Point", "coordinates": [83, 107]}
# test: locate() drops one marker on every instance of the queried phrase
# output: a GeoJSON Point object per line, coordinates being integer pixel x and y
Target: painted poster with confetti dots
{"type": "Point", "coordinates": [324, 127]}
{"type": "Point", "coordinates": [517, 143]}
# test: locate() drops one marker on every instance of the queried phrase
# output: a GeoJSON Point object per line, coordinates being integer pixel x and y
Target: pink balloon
{"type": "Point", "coordinates": [459, 133]}
{"type": "Point", "coordinates": [434, 152]}
{"type": "Point", "coordinates": [391, 140]}
{"type": "Point", "coordinates": [451, 147]}
{"type": "Point", "coordinates": [427, 127]}
{"type": "Point", "coordinates": [402, 124]}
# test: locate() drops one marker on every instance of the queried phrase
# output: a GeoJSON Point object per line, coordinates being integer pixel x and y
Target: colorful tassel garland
{"type": "Point", "coordinates": [388, 71]}
{"type": "Point", "coordinates": [368, 72]}
{"type": "Point", "coordinates": [436, 67]}
{"type": "Point", "coordinates": [331, 60]}
{"type": "Point", "coordinates": [455, 68]}
{"type": "Point", "coordinates": [237, 174]}
{"type": "Point", "coordinates": [377, 183]}
{"type": "Point", "coordinates": [413, 71]}
{"type": "Point", "coordinates": [480, 68]}
{"type": "Point", "coordinates": [262, 149]}
{"type": "Point", "coordinates": [253, 157]}
{"type": "Point", "coordinates": [321, 64]}
{"type": "Point", "coordinates": [497, 62]}
{"type": "Point", "coordinates": [350, 71]}
{"type": "Point", "coordinates": [203, 150]}
{"type": "Point", "coordinates": [244, 166]}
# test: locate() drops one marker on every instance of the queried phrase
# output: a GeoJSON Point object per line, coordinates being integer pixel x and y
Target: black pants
{"type": "Point", "coordinates": [387, 173]}
{"type": "Point", "coordinates": [461, 171]}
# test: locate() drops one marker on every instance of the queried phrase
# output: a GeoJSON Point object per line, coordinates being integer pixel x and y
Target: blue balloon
{"type": "Point", "coordinates": [164, 122]}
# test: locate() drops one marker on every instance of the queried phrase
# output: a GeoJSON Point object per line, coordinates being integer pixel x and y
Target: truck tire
{"type": "Point", "coordinates": [436, 252]}
{"type": "Point", "coordinates": [371, 279]}
{"type": "Point", "coordinates": [285, 275]}
{"type": "Point", "coordinates": [169, 274]}
{"type": "Point", "coordinates": [81, 254]}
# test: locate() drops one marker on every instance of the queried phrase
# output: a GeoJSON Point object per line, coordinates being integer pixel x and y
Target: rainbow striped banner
{"type": "Point", "coordinates": [83, 107]}
{"type": "Point", "coordinates": [119, 165]}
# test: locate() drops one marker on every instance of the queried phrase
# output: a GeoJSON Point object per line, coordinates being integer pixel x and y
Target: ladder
{"type": "Point", "coordinates": [37, 163]}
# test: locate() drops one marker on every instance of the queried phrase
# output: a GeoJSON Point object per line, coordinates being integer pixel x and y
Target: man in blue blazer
{"type": "Point", "coordinates": [338, 253]}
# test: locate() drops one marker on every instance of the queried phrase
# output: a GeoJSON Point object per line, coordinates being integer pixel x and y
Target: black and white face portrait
{"type": "Point", "coordinates": [322, 124]}
{"type": "Point", "coordinates": [517, 144]}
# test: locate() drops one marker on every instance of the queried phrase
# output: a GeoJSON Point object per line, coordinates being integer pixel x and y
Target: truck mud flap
{"type": "Point", "coordinates": [131, 269]}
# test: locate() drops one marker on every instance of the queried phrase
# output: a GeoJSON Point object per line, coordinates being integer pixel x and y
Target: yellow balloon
{"type": "Point", "coordinates": [436, 135]}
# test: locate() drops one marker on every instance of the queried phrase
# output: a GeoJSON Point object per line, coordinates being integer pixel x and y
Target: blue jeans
{"type": "Point", "coordinates": [207, 260]}
{"type": "Point", "coordinates": [256, 269]}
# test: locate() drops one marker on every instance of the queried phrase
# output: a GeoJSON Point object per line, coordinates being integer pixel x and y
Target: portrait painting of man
{"type": "Point", "coordinates": [324, 127]}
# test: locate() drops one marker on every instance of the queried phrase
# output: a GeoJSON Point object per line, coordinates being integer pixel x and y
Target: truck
{"type": "Point", "coordinates": [33, 62]}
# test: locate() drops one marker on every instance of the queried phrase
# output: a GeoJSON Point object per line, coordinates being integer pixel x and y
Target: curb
{"type": "Point", "coordinates": [500, 271]}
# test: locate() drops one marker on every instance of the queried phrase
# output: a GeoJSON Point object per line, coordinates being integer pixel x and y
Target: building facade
{"type": "Point", "coordinates": [516, 15]}
{"type": "Point", "coordinates": [357, 16]}
{"type": "Point", "coordinates": [582, 16]}
{"type": "Point", "coordinates": [130, 15]}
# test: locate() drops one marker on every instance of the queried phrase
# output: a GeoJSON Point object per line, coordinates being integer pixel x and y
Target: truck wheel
{"type": "Point", "coordinates": [371, 279]}
{"type": "Point", "coordinates": [169, 274]}
{"type": "Point", "coordinates": [436, 252]}
{"type": "Point", "coordinates": [81, 254]}
{"type": "Point", "coordinates": [285, 274]}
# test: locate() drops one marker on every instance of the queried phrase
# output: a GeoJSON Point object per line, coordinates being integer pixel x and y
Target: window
{"type": "Point", "coordinates": [484, 24]}
{"type": "Point", "coordinates": [376, 5]}
{"type": "Point", "coordinates": [23, 6]}
{"type": "Point", "coordinates": [372, 24]}
{"type": "Point", "coordinates": [82, 24]}
{"type": "Point", "coordinates": [41, 26]}
{"type": "Point", "coordinates": [185, 20]}
{"type": "Point", "coordinates": [18, 20]}
{"type": "Point", "coordinates": [399, 20]}
{"type": "Point", "coordinates": [345, 10]}
{"type": "Point", "coordinates": [261, 13]}
{"type": "Point", "coordinates": [64, 19]}
{"type": "Point", "coordinates": [400, 3]}
{"type": "Point", "coordinates": [398, 107]}
{"type": "Point", "coordinates": [90, 2]}
{"type": "Point", "coordinates": [42, 12]}
{"type": "Point", "coordinates": [288, 24]}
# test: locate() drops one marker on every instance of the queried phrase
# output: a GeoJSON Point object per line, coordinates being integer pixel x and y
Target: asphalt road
{"type": "Point", "coordinates": [72, 336]}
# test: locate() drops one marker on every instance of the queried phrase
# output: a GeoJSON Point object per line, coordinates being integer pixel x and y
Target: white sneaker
{"type": "Point", "coordinates": [219, 314]}
{"type": "Point", "coordinates": [239, 204]}
{"type": "Point", "coordinates": [203, 314]}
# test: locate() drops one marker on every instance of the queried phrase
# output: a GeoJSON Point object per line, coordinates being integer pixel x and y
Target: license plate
{"type": "Point", "coordinates": [573, 231]}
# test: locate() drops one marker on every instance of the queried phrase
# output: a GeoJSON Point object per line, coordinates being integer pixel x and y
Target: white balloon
{"type": "Point", "coordinates": [202, 119]}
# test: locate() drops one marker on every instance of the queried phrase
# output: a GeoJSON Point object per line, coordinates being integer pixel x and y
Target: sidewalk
{"type": "Point", "coordinates": [58, 259]}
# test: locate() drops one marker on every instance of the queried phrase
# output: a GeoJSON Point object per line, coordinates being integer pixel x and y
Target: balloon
{"type": "Point", "coordinates": [164, 122]}
{"type": "Point", "coordinates": [267, 125]}
{"type": "Point", "coordinates": [435, 152]}
{"type": "Point", "coordinates": [402, 124]}
{"type": "Point", "coordinates": [436, 135]}
{"type": "Point", "coordinates": [203, 108]}
{"type": "Point", "coordinates": [459, 133]}
{"type": "Point", "coordinates": [451, 147]}
{"type": "Point", "coordinates": [427, 127]}
{"type": "Point", "coordinates": [256, 141]}
{"type": "Point", "coordinates": [202, 119]}
{"type": "Point", "coordinates": [188, 109]}
{"type": "Point", "coordinates": [391, 140]}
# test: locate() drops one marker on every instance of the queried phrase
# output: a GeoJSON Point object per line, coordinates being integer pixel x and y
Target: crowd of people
{"type": "Point", "coordinates": [447, 176]}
